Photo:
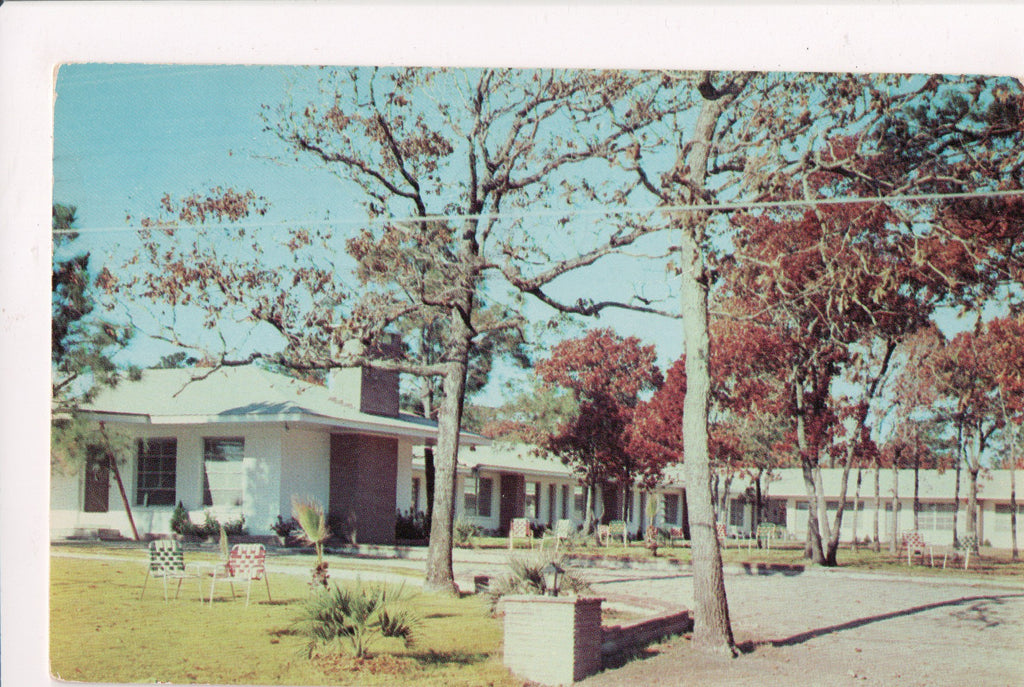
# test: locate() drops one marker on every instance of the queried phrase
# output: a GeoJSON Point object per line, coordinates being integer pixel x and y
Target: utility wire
{"type": "Point", "coordinates": [690, 207]}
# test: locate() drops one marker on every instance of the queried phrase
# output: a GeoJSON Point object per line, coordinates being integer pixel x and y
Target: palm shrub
{"type": "Point", "coordinates": [525, 577]}
{"type": "Point", "coordinates": [313, 523]}
{"type": "Point", "coordinates": [464, 532]}
{"type": "Point", "coordinates": [356, 616]}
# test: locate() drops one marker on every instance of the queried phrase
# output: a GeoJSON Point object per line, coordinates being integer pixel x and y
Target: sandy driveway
{"type": "Point", "coordinates": [835, 628]}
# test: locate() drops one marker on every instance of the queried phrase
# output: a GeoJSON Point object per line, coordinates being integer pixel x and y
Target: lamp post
{"type": "Point", "coordinates": [552, 573]}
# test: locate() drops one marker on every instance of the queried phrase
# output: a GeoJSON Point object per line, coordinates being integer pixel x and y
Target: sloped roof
{"type": "Point", "coordinates": [519, 458]}
{"type": "Point", "coordinates": [245, 394]}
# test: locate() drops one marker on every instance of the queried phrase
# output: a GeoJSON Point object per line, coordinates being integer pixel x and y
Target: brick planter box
{"type": "Point", "coordinates": [552, 640]}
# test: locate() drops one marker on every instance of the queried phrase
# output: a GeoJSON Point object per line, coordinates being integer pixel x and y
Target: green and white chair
{"type": "Point", "coordinates": [167, 561]}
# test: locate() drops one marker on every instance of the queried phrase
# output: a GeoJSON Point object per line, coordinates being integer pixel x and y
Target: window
{"type": "Point", "coordinates": [565, 502]}
{"type": "Point", "coordinates": [579, 499]}
{"type": "Point", "coordinates": [531, 506]}
{"type": "Point", "coordinates": [484, 497]}
{"type": "Point", "coordinates": [774, 511]}
{"type": "Point", "coordinates": [938, 516]}
{"type": "Point", "coordinates": [415, 501]}
{"type": "Point", "coordinates": [477, 496]}
{"type": "Point", "coordinates": [222, 471]}
{"type": "Point", "coordinates": [156, 472]}
{"type": "Point", "coordinates": [671, 507]}
{"type": "Point", "coordinates": [737, 512]}
{"type": "Point", "coordinates": [1002, 522]}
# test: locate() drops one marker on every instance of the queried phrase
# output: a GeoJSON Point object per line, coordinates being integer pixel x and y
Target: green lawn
{"type": "Point", "coordinates": [992, 563]}
{"type": "Point", "coordinates": [101, 632]}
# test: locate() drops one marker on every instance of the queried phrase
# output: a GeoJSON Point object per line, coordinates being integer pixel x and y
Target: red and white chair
{"type": "Point", "coordinates": [246, 563]}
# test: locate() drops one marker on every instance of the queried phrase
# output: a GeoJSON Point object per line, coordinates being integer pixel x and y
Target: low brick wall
{"type": "Point", "coordinates": [619, 638]}
{"type": "Point", "coordinates": [552, 641]}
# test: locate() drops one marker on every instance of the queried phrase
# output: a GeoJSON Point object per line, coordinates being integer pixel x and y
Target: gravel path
{"type": "Point", "coordinates": [835, 628]}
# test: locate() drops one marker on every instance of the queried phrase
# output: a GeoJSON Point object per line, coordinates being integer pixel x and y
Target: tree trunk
{"type": "Point", "coordinates": [956, 488]}
{"type": "Point", "coordinates": [712, 629]}
{"type": "Point", "coordinates": [588, 508]}
{"type": "Point", "coordinates": [894, 530]}
{"type": "Point", "coordinates": [877, 544]}
{"type": "Point", "coordinates": [758, 505]}
{"type": "Point", "coordinates": [819, 487]}
{"type": "Point", "coordinates": [837, 527]}
{"type": "Point", "coordinates": [723, 496]}
{"type": "Point", "coordinates": [715, 495]}
{"type": "Point", "coordinates": [812, 547]}
{"type": "Point", "coordinates": [112, 461]}
{"type": "Point", "coordinates": [124, 496]}
{"type": "Point", "coordinates": [430, 478]}
{"type": "Point", "coordinates": [972, 504]}
{"type": "Point", "coordinates": [1013, 507]}
{"type": "Point", "coordinates": [856, 508]}
{"type": "Point", "coordinates": [440, 574]}
{"type": "Point", "coordinates": [917, 488]}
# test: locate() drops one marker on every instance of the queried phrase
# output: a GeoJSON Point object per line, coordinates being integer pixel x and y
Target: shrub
{"type": "Point", "coordinates": [235, 527]}
{"type": "Point", "coordinates": [525, 577]}
{"type": "Point", "coordinates": [283, 528]}
{"type": "Point", "coordinates": [181, 523]}
{"type": "Point", "coordinates": [210, 526]}
{"type": "Point", "coordinates": [411, 525]}
{"type": "Point", "coordinates": [464, 532]}
{"type": "Point", "coordinates": [356, 616]}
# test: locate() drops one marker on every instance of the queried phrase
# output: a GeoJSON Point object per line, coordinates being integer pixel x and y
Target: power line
{"type": "Point", "coordinates": [690, 207]}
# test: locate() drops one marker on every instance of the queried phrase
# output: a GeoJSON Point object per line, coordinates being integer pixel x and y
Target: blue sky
{"type": "Point", "coordinates": [126, 134]}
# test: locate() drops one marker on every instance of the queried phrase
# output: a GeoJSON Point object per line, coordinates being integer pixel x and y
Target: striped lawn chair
{"type": "Point", "coordinates": [915, 544]}
{"type": "Point", "coordinates": [246, 563]}
{"type": "Point", "coordinates": [615, 529]}
{"type": "Point", "coordinates": [965, 546]}
{"type": "Point", "coordinates": [766, 533]}
{"type": "Point", "coordinates": [519, 529]}
{"type": "Point", "coordinates": [722, 533]}
{"type": "Point", "coordinates": [167, 561]}
{"type": "Point", "coordinates": [563, 531]}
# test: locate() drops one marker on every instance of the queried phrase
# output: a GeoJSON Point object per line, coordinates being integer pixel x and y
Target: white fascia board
{"type": "Point", "coordinates": [527, 472]}
{"type": "Point", "coordinates": [124, 418]}
{"type": "Point", "coordinates": [336, 425]}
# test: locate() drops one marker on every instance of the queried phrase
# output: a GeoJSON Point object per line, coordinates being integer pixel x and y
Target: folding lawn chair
{"type": "Point", "coordinates": [246, 563]}
{"type": "Point", "coordinates": [167, 561]}
{"type": "Point", "coordinates": [520, 529]}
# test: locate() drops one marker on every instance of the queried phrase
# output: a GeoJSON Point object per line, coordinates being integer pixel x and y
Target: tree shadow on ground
{"type": "Point", "coordinates": [764, 569]}
{"type": "Point", "coordinates": [621, 658]}
{"type": "Point", "coordinates": [976, 608]}
{"type": "Point", "coordinates": [618, 580]}
{"type": "Point", "coordinates": [443, 658]}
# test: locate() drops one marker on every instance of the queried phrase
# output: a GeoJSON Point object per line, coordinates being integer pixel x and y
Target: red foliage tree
{"type": "Point", "coordinates": [606, 375]}
{"type": "Point", "coordinates": [748, 424]}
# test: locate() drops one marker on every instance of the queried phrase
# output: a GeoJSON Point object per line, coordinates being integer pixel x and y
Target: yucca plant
{"type": "Point", "coordinates": [464, 531]}
{"type": "Point", "coordinates": [225, 547]}
{"type": "Point", "coordinates": [313, 523]}
{"type": "Point", "coordinates": [526, 577]}
{"type": "Point", "coordinates": [356, 616]}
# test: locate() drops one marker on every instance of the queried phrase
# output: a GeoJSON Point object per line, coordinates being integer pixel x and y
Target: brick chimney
{"type": "Point", "coordinates": [367, 389]}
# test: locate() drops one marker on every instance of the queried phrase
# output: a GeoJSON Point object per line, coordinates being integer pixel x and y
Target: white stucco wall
{"type": "Point", "coordinates": [403, 478]}
{"type": "Point", "coordinates": [261, 474]}
{"type": "Point", "coordinates": [305, 471]}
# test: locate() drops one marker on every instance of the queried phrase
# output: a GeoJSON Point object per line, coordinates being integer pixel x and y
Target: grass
{"type": "Point", "coordinates": [101, 632]}
{"type": "Point", "coordinates": [993, 563]}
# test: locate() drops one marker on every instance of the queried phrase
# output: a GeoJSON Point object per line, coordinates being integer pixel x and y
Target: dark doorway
{"type": "Point", "coordinates": [512, 496]}
{"type": "Point", "coordinates": [97, 481]}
